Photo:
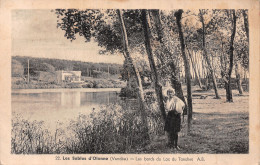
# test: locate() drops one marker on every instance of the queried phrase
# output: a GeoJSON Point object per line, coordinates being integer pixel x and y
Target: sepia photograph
{"type": "Point", "coordinates": [130, 81]}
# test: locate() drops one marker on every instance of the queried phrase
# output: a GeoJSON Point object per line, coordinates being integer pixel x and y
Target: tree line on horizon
{"type": "Point", "coordinates": [88, 69]}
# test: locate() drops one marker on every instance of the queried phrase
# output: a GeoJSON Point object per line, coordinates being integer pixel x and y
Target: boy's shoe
{"type": "Point", "coordinates": [178, 148]}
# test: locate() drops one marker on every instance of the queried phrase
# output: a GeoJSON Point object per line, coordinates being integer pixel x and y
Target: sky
{"type": "Point", "coordinates": [35, 34]}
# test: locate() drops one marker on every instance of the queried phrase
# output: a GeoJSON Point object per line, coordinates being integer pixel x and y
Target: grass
{"type": "Point", "coordinates": [210, 133]}
{"type": "Point", "coordinates": [217, 133]}
{"type": "Point", "coordinates": [217, 128]}
{"type": "Point", "coordinates": [33, 138]}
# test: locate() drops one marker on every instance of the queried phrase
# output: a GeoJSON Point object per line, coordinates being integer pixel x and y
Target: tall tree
{"type": "Point", "coordinates": [227, 79]}
{"type": "Point", "coordinates": [207, 57]}
{"type": "Point", "coordinates": [136, 74]}
{"type": "Point", "coordinates": [230, 36]}
{"type": "Point", "coordinates": [178, 15]}
{"type": "Point", "coordinates": [147, 35]}
{"type": "Point", "coordinates": [238, 77]}
{"type": "Point", "coordinates": [241, 47]}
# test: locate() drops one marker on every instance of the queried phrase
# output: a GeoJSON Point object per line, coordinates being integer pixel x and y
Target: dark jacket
{"type": "Point", "coordinates": [173, 122]}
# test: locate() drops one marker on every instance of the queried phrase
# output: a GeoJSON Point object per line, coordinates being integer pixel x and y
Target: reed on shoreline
{"type": "Point", "coordinates": [109, 130]}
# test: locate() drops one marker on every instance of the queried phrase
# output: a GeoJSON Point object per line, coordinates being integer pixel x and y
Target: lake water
{"type": "Point", "coordinates": [59, 105]}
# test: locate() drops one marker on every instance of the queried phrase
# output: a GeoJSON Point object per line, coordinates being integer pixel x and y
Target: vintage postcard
{"type": "Point", "coordinates": [129, 82]}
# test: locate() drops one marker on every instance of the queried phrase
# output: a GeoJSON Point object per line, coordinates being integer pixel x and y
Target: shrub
{"type": "Point", "coordinates": [129, 93]}
{"type": "Point", "coordinates": [118, 129]}
{"type": "Point", "coordinates": [111, 129]}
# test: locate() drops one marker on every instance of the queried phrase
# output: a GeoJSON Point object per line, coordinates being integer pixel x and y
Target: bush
{"type": "Point", "coordinates": [111, 130]}
{"type": "Point", "coordinates": [108, 130]}
{"type": "Point", "coordinates": [129, 93]}
{"type": "Point", "coordinates": [72, 85]}
{"type": "Point", "coordinates": [103, 83]}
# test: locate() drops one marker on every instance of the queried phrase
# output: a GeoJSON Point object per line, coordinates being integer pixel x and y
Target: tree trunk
{"type": "Point", "coordinates": [231, 60]}
{"type": "Point", "coordinates": [207, 58]}
{"type": "Point", "coordinates": [238, 77]}
{"type": "Point", "coordinates": [228, 91]}
{"type": "Point", "coordinates": [147, 35]}
{"type": "Point", "coordinates": [137, 76]}
{"type": "Point", "coordinates": [246, 23]}
{"type": "Point", "coordinates": [245, 15]}
{"type": "Point", "coordinates": [207, 81]}
{"type": "Point", "coordinates": [176, 84]}
{"type": "Point", "coordinates": [178, 16]}
{"type": "Point", "coordinates": [222, 58]}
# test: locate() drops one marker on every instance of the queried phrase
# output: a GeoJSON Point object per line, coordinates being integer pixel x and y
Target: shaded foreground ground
{"type": "Point", "coordinates": [217, 127]}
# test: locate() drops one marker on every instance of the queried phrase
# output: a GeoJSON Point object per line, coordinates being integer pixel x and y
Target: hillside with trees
{"type": "Point", "coordinates": [87, 69]}
{"type": "Point", "coordinates": [94, 75]}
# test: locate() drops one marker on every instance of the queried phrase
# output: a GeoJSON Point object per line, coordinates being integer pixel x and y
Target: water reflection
{"type": "Point", "coordinates": [62, 106]}
{"type": "Point", "coordinates": [70, 99]}
{"type": "Point", "coordinates": [77, 99]}
{"type": "Point", "coordinates": [60, 100]}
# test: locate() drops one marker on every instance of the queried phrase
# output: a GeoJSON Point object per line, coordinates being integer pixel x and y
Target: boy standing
{"type": "Point", "coordinates": [174, 107]}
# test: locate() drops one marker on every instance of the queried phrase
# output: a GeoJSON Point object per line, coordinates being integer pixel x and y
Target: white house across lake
{"type": "Point", "coordinates": [60, 76]}
{"type": "Point", "coordinates": [68, 76]}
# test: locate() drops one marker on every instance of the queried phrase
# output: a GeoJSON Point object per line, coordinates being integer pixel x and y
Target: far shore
{"type": "Point", "coordinates": [66, 89]}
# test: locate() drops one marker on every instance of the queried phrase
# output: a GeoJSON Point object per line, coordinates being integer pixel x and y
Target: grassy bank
{"type": "Point", "coordinates": [110, 130]}
{"type": "Point", "coordinates": [211, 133]}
